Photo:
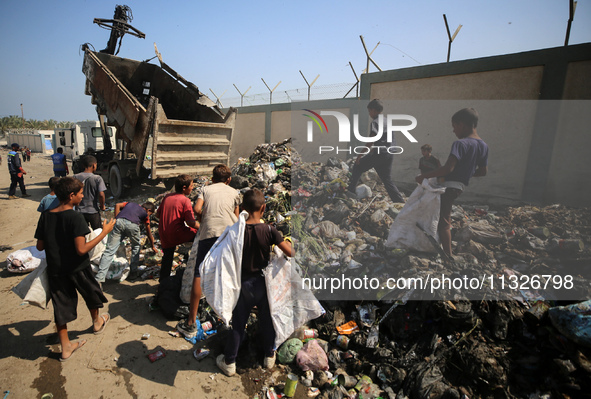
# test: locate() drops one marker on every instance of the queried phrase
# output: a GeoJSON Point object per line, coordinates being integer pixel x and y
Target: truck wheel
{"type": "Point", "coordinates": [115, 181]}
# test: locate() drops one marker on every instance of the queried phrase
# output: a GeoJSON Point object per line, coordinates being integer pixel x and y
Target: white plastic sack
{"type": "Point", "coordinates": [35, 287]}
{"type": "Point", "coordinates": [96, 253]}
{"type": "Point", "coordinates": [422, 207]}
{"type": "Point", "coordinates": [291, 304]}
{"type": "Point", "coordinates": [119, 269]}
{"type": "Point", "coordinates": [363, 191]}
{"type": "Point", "coordinates": [24, 260]}
{"type": "Point", "coordinates": [187, 283]}
{"type": "Point", "coordinates": [220, 270]}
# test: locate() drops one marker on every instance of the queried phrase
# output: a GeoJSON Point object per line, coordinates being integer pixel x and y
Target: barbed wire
{"type": "Point", "coordinates": [321, 92]}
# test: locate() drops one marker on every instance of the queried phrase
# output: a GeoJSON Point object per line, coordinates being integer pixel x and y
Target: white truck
{"type": "Point", "coordinates": [80, 138]}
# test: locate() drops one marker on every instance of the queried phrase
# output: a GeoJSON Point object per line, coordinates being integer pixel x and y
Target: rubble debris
{"type": "Point", "coordinates": [455, 347]}
{"type": "Point", "coordinates": [573, 321]}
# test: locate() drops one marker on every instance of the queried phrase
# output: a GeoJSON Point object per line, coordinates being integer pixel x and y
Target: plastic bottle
{"type": "Point", "coordinates": [307, 333]}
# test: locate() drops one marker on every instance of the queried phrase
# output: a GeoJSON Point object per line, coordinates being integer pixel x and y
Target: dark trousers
{"type": "Point", "coordinates": [166, 264]}
{"type": "Point", "coordinates": [204, 247]}
{"type": "Point", "coordinates": [94, 219]}
{"type": "Point", "coordinates": [14, 180]}
{"type": "Point", "coordinates": [383, 166]}
{"type": "Point", "coordinates": [252, 293]}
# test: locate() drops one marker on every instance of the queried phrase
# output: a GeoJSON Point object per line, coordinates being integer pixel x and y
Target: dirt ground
{"type": "Point", "coordinates": [111, 365]}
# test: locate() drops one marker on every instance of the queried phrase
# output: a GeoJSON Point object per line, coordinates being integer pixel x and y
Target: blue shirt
{"type": "Point", "coordinates": [48, 202]}
{"type": "Point", "coordinates": [59, 162]}
{"type": "Point", "coordinates": [134, 213]}
{"type": "Point", "coordinates": [471, 154]}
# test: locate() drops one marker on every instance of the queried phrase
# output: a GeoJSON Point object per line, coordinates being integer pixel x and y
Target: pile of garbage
{"type": "Point", "coordinates": [268, 168]}
{"type": "Point", "coordinates": [476, 342]}
{"type": "Point", "coordinates": [530, 339]}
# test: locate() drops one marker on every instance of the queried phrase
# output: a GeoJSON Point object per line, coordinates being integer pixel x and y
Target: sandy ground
{"type": "Point", "coordinates": [111, 365]}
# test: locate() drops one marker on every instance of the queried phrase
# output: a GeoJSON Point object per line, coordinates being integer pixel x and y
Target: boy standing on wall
{"type": "Point", "coordinates": [216, 208]}
{"type": "Point", "coordinates": [61, 233]}
{"type": "Point", "coordinates": [468, 157]}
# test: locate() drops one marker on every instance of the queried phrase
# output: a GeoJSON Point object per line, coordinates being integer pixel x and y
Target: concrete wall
{"type": "Point", "coordinates": [568, 171]}
{"type": "Point", "coordinates": [280, 126]}
{"type": "Point", "coordinates": [507, 84]}
{"type": "Point", "coordinates": [248, 133]}
{"type": "Point", "coordinates": [35, 141]}
{"type": "Point", "coordinates": [537, 147]}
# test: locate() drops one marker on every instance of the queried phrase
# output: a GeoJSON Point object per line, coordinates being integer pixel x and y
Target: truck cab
{"type": "Point", "coordinates": [78, 139]}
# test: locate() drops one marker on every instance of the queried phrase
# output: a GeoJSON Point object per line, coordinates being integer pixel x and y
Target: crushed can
{"type": "Point", "coordinates": [207, 326]}
{"type": "Point", "coordinates": [343, 341]}
{"type": "Point", "coordinates": [364, 380]}
{"type": "Point", "coordinates": [159, 354]}
{"type": "Point", "coordinates": [201, 353]}
{"type": "Point", "coordinates": [271, 394]}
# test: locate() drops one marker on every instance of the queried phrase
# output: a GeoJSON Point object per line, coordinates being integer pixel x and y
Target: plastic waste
{"type": "Point", "coordinates": [312, 357]}
{"type": "Point", "coordinates": [288, 351]}
{"type": "Point", "coordinates": [573, 321]}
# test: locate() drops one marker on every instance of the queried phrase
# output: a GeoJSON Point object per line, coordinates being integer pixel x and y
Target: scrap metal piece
{"type": "Point", "coordinates": [118, 26]}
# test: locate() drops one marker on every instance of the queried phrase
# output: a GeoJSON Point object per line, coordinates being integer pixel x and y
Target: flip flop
{"type": "Point", "coordinates": [106, 317]}
{"type": "Point", "coordinates": [80, 345]}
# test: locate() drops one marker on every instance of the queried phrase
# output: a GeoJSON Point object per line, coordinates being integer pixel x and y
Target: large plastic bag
{"type": "Point", "coordinates": [118, 271]}
{"type": "Point", "coordinates": [422, 207]}
{"type": "Point", "coordinates": [312, 357]}
{"type": "Point", "coordinates": [288, 351]}
{"type": "Point", "coordinates": [35, 287]}
{"type": "Point", "coordinates": [221, 269]}
{"type": "Point", "coordinates": [24, 260]}
{"type": "Point", "coordinates": [573, 321]}
{"type": "Point", "coordinates": [187, 285]}
{"type": "Point", "coordinates": [96, 253]}
{"type": "Point", "coordinates": [291, 305]}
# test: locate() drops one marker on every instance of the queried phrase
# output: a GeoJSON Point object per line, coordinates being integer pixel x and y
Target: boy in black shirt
{"type": "Point", "coordinates": [61, 233]}
{"type": "Point", "coordinates": [428, 162]}
{"type": "Point", "coordinates": [258, 239]}
{"type": "Point", "coordinates": [381, 161]}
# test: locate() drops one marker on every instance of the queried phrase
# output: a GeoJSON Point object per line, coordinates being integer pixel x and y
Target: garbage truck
{"type": "Point", "coordinates": [164, 125]}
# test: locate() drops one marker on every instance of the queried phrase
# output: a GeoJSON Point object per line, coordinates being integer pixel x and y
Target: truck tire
{"type": "Point", "coordinates": [115, 181]}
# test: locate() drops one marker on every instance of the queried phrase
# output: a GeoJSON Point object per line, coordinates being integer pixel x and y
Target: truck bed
{"type": "Point", "coordinates": [153, 106]}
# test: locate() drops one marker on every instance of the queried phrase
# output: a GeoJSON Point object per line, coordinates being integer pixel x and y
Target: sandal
{"type": "Point", "coordinates": [106, 317]}
{"type": "Point", "coordinates": [80, 345]}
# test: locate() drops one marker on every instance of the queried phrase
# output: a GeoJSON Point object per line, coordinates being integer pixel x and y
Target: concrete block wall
{"type": "Point", "coordinates": [538, 149]}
